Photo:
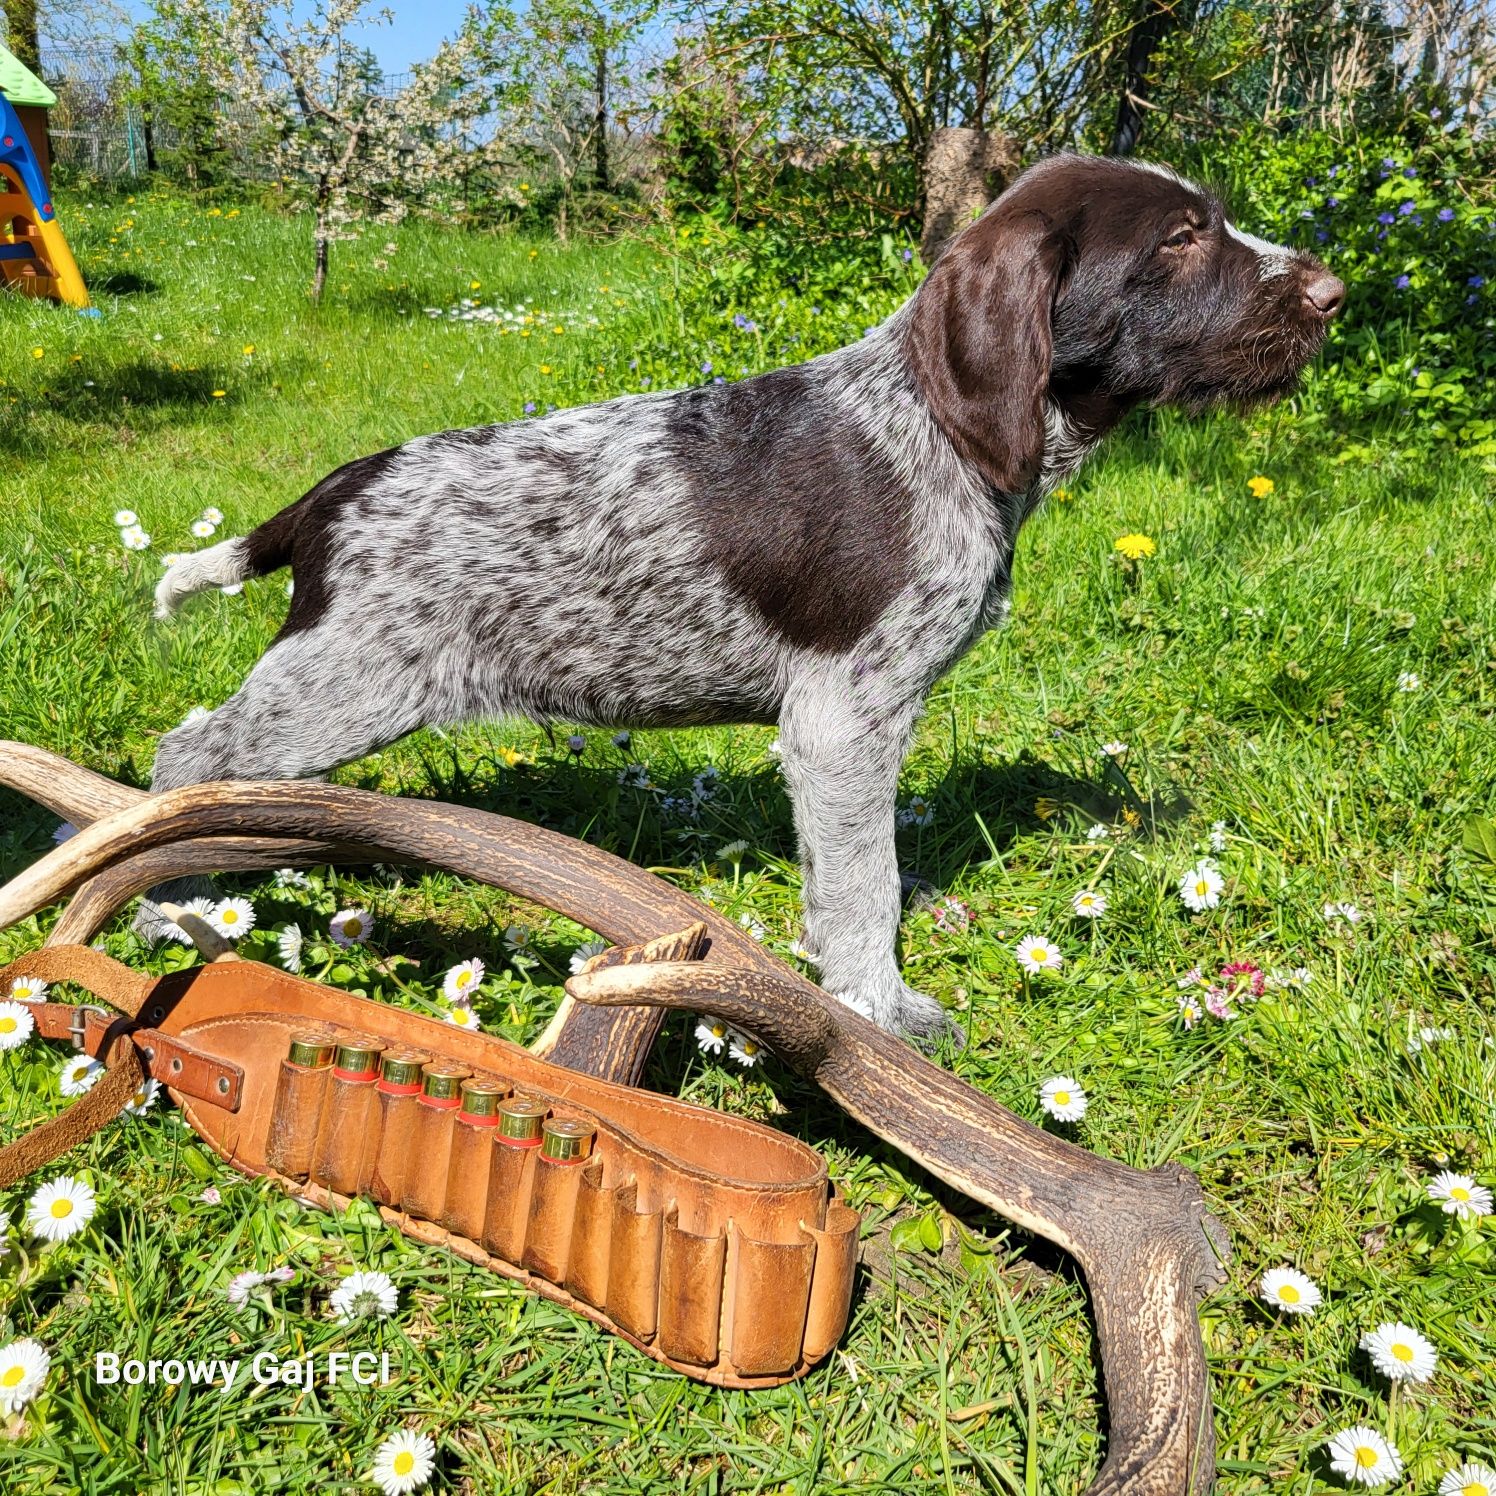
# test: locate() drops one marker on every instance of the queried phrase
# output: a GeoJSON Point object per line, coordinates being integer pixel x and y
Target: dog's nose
{"type": "Point", "coordinates": [1324, 293]}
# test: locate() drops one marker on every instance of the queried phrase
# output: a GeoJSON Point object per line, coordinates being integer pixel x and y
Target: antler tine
{"type": "Point", "coordinates": [65, 788]}
{"type": "Point", "coordinates": [621, 902]}
{"type": "Point", "coordinates": [1143, 1239]}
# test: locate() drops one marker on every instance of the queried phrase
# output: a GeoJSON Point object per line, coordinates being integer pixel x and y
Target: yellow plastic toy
{"type": "Point", "coordinates": [34, 256]}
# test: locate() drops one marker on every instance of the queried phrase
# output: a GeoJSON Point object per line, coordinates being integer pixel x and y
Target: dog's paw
{"type": "Point", "coordinates": [902, 1010]}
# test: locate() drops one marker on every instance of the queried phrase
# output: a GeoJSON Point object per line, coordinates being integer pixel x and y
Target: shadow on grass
{"type": "Point", "coordinates": [123, 283]}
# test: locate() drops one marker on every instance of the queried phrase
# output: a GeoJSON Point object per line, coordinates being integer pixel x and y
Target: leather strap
{"type": "Point", "coordinates": [124, 1066]}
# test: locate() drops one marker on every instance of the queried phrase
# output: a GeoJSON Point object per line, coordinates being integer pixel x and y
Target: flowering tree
{"type": "Point", "coordinates": [355, 151]}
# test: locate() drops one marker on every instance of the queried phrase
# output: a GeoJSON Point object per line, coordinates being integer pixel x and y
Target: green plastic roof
{"type": "Point", "coordinates": [20, 85]}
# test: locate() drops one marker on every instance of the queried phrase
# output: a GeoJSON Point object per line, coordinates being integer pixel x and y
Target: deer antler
{"type": "Point", "coordinates": [1147, 1247]}
{"type": "Point", "coordinates": [210, 828]}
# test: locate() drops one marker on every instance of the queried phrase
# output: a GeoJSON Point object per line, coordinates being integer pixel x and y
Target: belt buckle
{"type": "Point", "coordinates": [78, 1028]}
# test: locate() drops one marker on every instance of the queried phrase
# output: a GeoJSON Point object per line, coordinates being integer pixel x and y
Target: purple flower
{"type": "Point", "coordinates": [1477, 281]}
{"type": "Point", "coordinates": [1436, 113]}
{"type": "Point", "coordinates": [719, 380]}
{"type": "Point", "coordinates": [1417, 219]}
{"type": "Point", "coordinates": [1388, 162]}
{"type": "Point", "coordinates": [739, 320]}
{"type": "Point", "coordinates": [1385, 218]}
{"type": "Point", "coordinates": [1410, 171]}
{"type": "Point", "coordinates": [1406, 207]}
{"type": "Point", "coordinates": [1416, 371]}
{"type": "Point", "coordinates": [1446, 215]}
{"type": "Point", "coordinates": [633, 363]}
{"type": "Point", "coordinates": [908, 255]}
{"type": "Point", "coordinates": [1402, 283]}
{"type": "Point", "coordinates": [1332, 202]}
{"type": "Point", "coordinates": [706, 367]}
{"type": "Point", "coordinates": [1321, 235]}
{"type": "Point", "coordinates": [529, 407]}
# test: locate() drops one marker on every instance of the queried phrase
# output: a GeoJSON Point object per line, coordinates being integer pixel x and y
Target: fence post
{"type": "Point", "coordinates": [130, 137]}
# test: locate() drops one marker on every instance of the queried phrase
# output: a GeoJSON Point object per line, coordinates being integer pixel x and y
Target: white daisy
{"type": "Point", "coordinates": [124, 518]}
{"type": "Point", "coordinates": [288, 945]}
{"type": "Point", "coordinates": [584, 953]}
{"type": "Point", "coordinates": [60, 1208]}
{"type": "Point", "coordinates": [213, 515]}
{"type": "Point", "coordinates": [291, 877]}
{"type": "Point", "coordinates": [918, 812]}
{"type": "Point", "coordinates": [1341, 911]}
{"type": "Point", "coordinates": [195, 714]}
{"type": "Point", "coordinates": [1288, 1289]}
{"type": "Point", "coordinates": [519, 938]}
{"type": "Point", "coordinates": [461, 1015]}
{"type": "Point", "coordinates": [1036, 954]}
{"type": "Point", "coordinates": [170, 558]}
{"type": "Point", "coordinates": [233, 589]}
{"type": "Point", "coordinates": [1400, 1353]}
{"type": "Point", "coordinates": [622, 739]}
{"type": "Point", "coordinates": [1114, 749]}
{"type": "Point", "coordinates": [350, 926]}
{"type": "Point", "coordinates": [79, 1074]}
{"type": "Point", "coordinates": [1459, 1195]}
{"type": "Point", "coordinates": [1200, 888]}
{"type": "Point", "coordinates": [1217, 836]}
{"type": "Point", "coordinates": [1190, 1011]}
{"type": "Point", "coordinates": [404, 1463]}
{"type": "Point", "coordinates": [1363, 1457]}
{"type": "Point", "coordinates": [634, 776]}
{"type": "Point", "coordinates": [744, 1048]}
{"type": "Point", "coordinates": [364, 1295]}
{"type": "Point", "coordinates": [28, 990]}
{"type": "Point", "coordinates": [23, 1369]}
{"type": "Point", "coordinates": [65, 832]}
{"type": "Point", "coordinates": [202, 529]}
{"type": "Point", "coordinates": [704, 785]}
{"type": "Point", "coordinates": [1408, 681]}
{"type": "Point", "coordinates": [144, 1099]}
{"type": "Point", "coordinates": [576, 745]}
{"type": "Point", "coordinates": [133, 538]}
{"type": "Point", "coordinates": [463, 980]}
{"type": "Point", "coordinates": [1097, 833]}
{"type": "Point", "coordinates": [733, 851]}
{"type": "Point", "coordinates": [753, 926]}
{"type": "Point", "coordinates": [241, 1285]}
{"type": "Point", "coordinates": [233, 918]}
{"type": "Point", "coordinates": [1063, 1099]}
{"type": "Point", "coordinates": [1088, 904]}
{"type": "Point", "coordinates": [712, 1034]}
{"type": "Point", "coordinates": [1469, 1479]}
{"type": "Point", "coordinates": [203, 909]}
{"type": "Point", "coordinates": [16, 1025]}
{"type": "Point", "coordinates": [1426, 1036]}
{"type": "Point", "coordinates": [4, 1233]}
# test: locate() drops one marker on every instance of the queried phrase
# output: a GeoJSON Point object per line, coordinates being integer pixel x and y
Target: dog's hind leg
{"type": "Point", "coordinates": [309, 705]}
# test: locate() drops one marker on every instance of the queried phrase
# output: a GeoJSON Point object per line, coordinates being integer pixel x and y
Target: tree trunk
{"type": "Point", "coordinates": [600, 170]}
{"type": "Point", "coordinates": [22, 33]}
{"type": "Point", "coordinates": [964, 169]}
{"type": "Point", "coordinates": [1157, 19]}
{"type": "Point", "coordinates": [322, 243]}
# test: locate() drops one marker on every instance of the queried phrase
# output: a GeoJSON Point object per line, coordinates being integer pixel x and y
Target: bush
{"type": "Point", "coordinates": [1409, 223]}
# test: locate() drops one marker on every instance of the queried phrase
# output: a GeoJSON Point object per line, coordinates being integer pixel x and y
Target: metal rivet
{"type": "Point", "coordinates": [149, 1053]}
{"type": "Point", "coordinates": [223, 1085]}
{"type": "Point", "coordinates": [157, 1013]}
{"type": "Point", "coordinates": [176, 1066]}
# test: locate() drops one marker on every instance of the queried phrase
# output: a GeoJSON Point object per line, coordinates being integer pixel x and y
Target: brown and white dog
{"type": "Point", "coordinates": [812, 547]}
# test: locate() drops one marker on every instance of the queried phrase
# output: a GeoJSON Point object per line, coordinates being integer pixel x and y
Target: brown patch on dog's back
{"type": "Point", "coordinates": [804, 521]}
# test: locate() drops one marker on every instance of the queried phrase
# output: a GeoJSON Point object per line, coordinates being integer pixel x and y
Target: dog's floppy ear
{"type": "Point", "coordinates": [980, 340]}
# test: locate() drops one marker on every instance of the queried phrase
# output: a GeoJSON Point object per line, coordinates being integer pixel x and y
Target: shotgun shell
{"type": "Point", "coordinates": [400, 1074]}
{"type": "Point", "coordinates": [311, 1051]}
{"type": "Point", "coordinates": [357, 1061]}
{"type": "Point", "coordinates": [567, 1140]}
{"type": "Point", "coordinates": [480, 1102]}
{"type": "Point", "coordinates": [441, 1085]}
{"type": "Point", "coordinates": [520, 1121]}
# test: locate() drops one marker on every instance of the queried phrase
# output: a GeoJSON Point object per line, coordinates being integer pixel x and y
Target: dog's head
{"type": "Point", "coordinates": [1091, 286]}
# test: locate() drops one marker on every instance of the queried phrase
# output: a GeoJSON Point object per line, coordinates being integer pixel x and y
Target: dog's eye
{"type": "Point", "coordinates": [1180, 239]}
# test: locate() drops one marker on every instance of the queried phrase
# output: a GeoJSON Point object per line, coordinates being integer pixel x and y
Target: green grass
{"type": "Point", "coordinates": [1252, 665]}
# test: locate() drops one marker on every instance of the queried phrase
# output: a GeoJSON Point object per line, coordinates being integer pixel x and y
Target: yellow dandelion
{"type": "Point", "coordinates": [1134, 546]}
{"type": "Point", "coordinates": [545, 368]}
{"type": "Point", "coordinates": [38, 353]}
{"type": "Point", "coordinates": [219, 394]}
{"type": "Point", "coordinates": [475, 285]}
{"type": "Point", "coordinates": [249, 349]}
{"type": "Point", "coordinates": [1260, 487]}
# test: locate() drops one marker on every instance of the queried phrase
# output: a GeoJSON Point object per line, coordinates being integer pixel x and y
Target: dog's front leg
{"type": "Point", "coordinates": [841, 759]}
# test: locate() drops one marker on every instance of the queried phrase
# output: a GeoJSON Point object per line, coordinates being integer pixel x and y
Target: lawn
{"type": "Point", "coordinates": [1298, 686]}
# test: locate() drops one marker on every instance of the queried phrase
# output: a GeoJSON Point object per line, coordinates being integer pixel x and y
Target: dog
{"type": "Point", "coordinates": [812, 547]}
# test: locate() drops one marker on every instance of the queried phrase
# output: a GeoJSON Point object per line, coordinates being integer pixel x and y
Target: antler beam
{"type": "Point", "coordinates": [1143, 1238]}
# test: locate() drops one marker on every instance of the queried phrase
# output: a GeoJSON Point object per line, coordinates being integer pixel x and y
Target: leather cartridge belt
{"type": "Point", "coordinates": [713, 1244]}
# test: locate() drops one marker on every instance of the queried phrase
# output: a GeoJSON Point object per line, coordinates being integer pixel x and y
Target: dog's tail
{"type": "Point", "coordinates": [218, 566]}
{"type": "Point", "coordinates": [254, 555]}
